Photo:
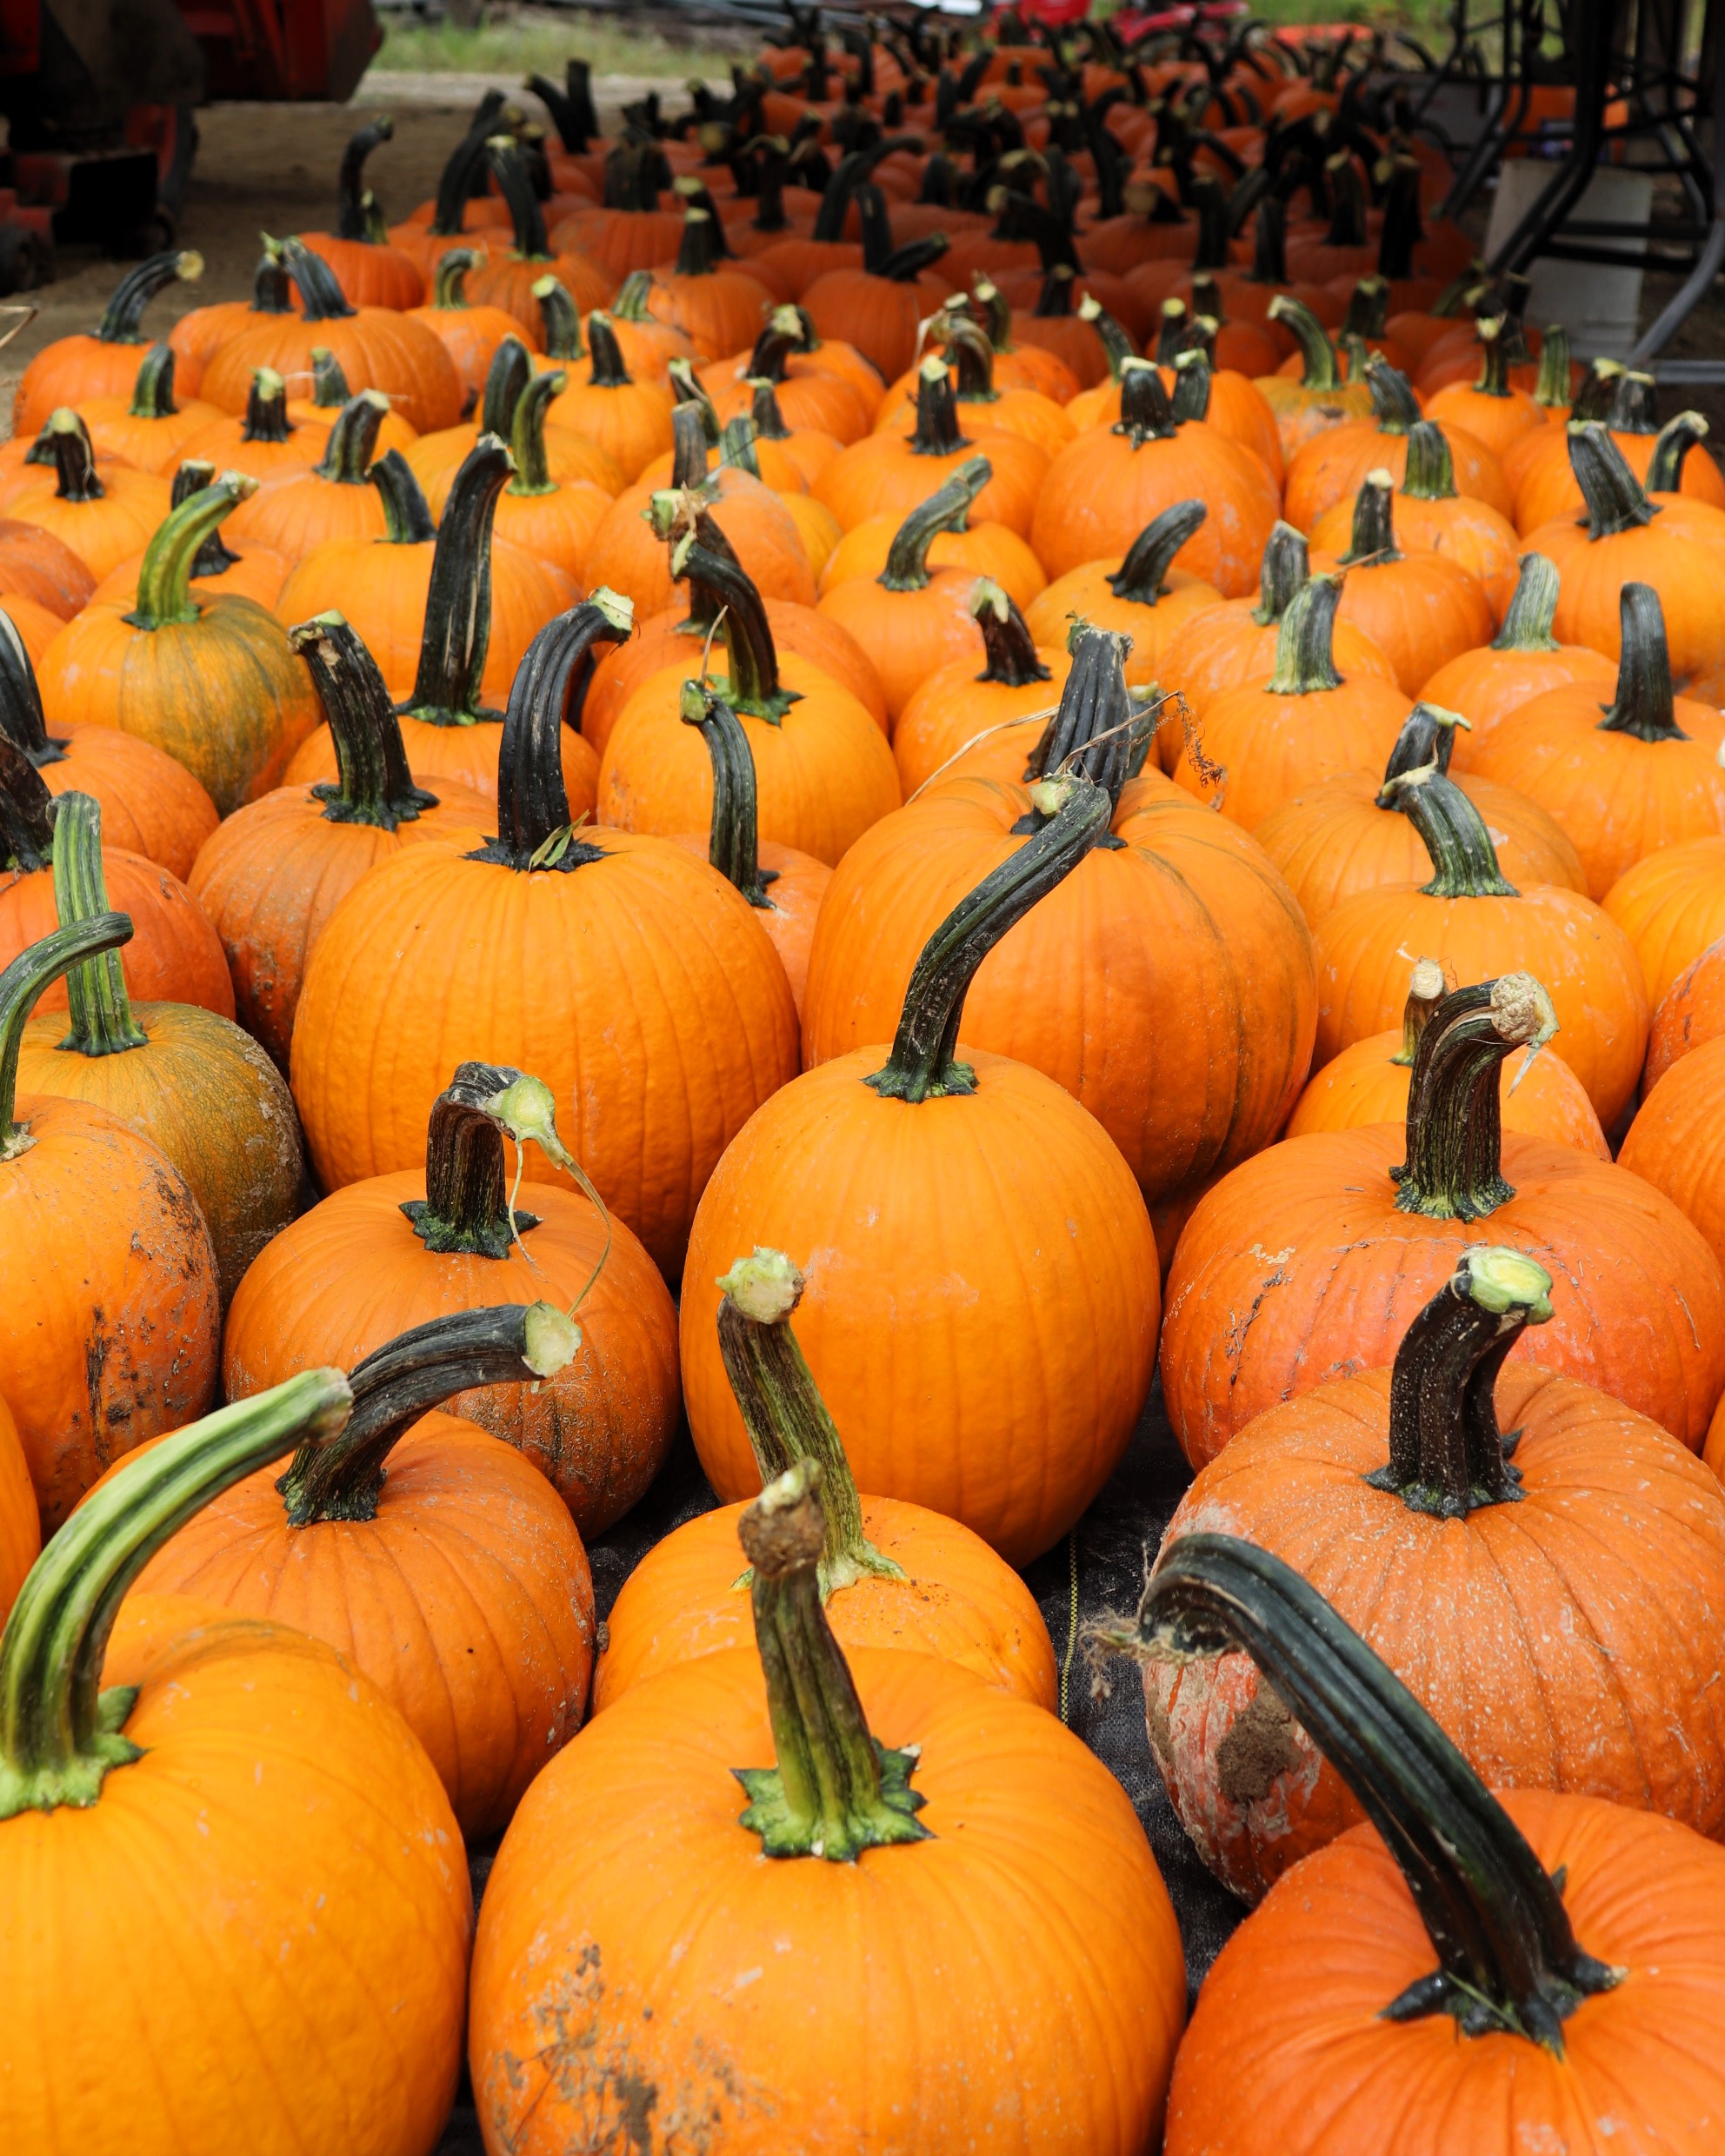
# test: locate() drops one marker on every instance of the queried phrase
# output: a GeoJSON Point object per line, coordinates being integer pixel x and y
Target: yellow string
{"type": "Point", "coordinates": [1071, 1626]}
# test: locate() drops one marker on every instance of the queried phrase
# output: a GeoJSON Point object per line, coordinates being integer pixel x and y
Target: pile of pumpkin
{"type": "Point", "coordinates": [983, 710]}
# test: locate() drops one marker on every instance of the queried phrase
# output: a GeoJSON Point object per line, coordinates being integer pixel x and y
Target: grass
{"type": "Point", "coordinates": [520, 41]}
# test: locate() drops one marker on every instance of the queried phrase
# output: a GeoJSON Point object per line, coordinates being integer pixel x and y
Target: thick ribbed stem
{"type": "Point", "coordinates": [350, 181]}
{"type": "Point", "coordinates": [508, 374]}
{"type": "Point", "coordinates": [1676, 438]}
{"type": "Point", "coordinates": [937, 432]}
{"type": "Point", "coordinates": [458, 600]}
{"type": "Point", "coordinates": [1192, 386]}
{"type": "Point", "coordinates": [1454, 1167]}
{"type": "Point", "coordinates": [752, 684]}
{"type": "Point", "coordinates": [24, 981]}
{"type": "Point", "coordinates": [153, 388]}
{"type": "Point", "coordinates": [1143, 576]}
{"type": "Point", "coordinates": [527, 435]}
{"type": "Point", "coordinates": [374, 784]}
{"type": "Point", "coordinates": [1319, 370]}
{"type": "Point", "coordinates": [1430, 476]}
{"type": "Point", "coordinates": [1508, 1958]}
{"type": "Point", "coordinates": [341, 1475]}
{"type": "Point", "coordinates": [947, 509]}
{"type": "Point", "coordinates": [102, 1023]}
{"type": "Point", "coordinates": [1425, 743]}
{"type": "Point", "coordinates": [608, 371]}
{"type": "Point", "coordinates": [835, 1790]}
{"type": "Point", "coordinates": [1374, 533]}
{"type": "Point", "coordinates": [1615, 500]}
{"type": "Point", "coordinates": [465, 1208]}
{"type": "Point", "coordinates": [1494, 360]}
{"type": "Point", "coordinates": [353, 440]}
{"type": "Point", "coordinates": [1096, 732]}
{"type": "Point", "coordinates": [213, 558]}
{"type": "Point", "coordinates": [68, 441]}
{"type": "Point", "coordinates": [1396, 408]}
{"type": "Point", "coordinates": [1463, 860]}
{"type": "Point", "coordinates": [736, 445]}
{"type": "Point", "coordinates": [1635, 404]}
{"type": "Point", "coordinates": [60, 1734]}
{"type": "Point", "coordinates": [320, 293]}
{"type": "Point", "coordinates": [562, 320]}
{"type": "Point", "coordinates": [121, 320]}
{"type": "Point", "coordinates": [448, 279]}
{"type": "Point", "coordinates": [1145, 414]}
{"type": "Point", "coordinates": [1010, 656]}
{"type": "Point", "coordinates": [1551, 388]}
{"type": "Point", "coordinates": [1117, 347]}
{"type": "Point", "coordinates": [1368, 310]}
{"type": "Point", "coordinates": [1305, 663]}
{"type": "Point", "coordinates": [924, 1062]}
{"type": "Point", "coordinates": [266, 408]}
{"type": "Point", "coordinates": [763, 411]}
{"type": "Point", "coordinates": [406, 515]}
{"type": "Point", "coordinates": [1527, 626]}
{"type": "Point", "coordinates": [733, 842]}
{"type": "Point", "coordinates": [22, 723]}
{"type": "Point", "coordinates": [164, 581]}
{"type": "Point", "coordinates": [1430, 980]}
{"type": "Point", "coordinates": [1284, 570]}
{"type": "Point", "coordinates": [329, 390]}
{"type": "Point", "coordinates": [1644, 704]}
{"type": "Point", "coordinates": [509, 168]}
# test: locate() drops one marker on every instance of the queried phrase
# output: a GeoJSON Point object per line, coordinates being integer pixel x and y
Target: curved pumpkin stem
{"type": "Point", "coordinates": [374, 785]}
{"type": "Point", "coordinates": [1463, 858]}
{"type": "Point", "coordinates": [1192, 386]}
{"type": "Point", "coordinates": [465, 1209]}
{"type": "Point", "coordinates": [22, 721]}
{"type": "Point", "coordinates": [102, 1023]}
{"type": "Point", "coordinates": [509, 168]}
{"type": "Point", "coordinates": [1526, 625]}
{"type": "Point", "coordinates": [351, 179]}
{"type": "Point", "coordinates": [835, 1790]}
{"type": "Point", "coordinates": [457, 631]}
{"type": "Point", "coordinates": [1425, 743]}
{"type": "Point", "coordinates": [1009, 650]}
{"type": "Point", "coordinates": [783, 1413]}
{"type": "Point", "coordinates": [733, 845]}
{"type": "Point", "coordinates": [1614, 498]}
{"type": "Point", "coordinates": [609, 370]}
{"type": "Point", "coordinates": [506, 378]}
{"type": "Point", "coordinates": [947, 509]}
{"type": "Point", "coordinates": [266, 408]}
{"type": "Point", "coordinates": [782, 335]}
{"type": "Point", "coordinates": [448, 279]}
{"type": "Point", "coordinates": [339, 1476]}
{"type": "Point", "coordinates": [973, 356]}
{"type": "Point", "coordinates": [1644, 704]}
{"type": "Point", "coordinates": [214, 557]}
{"type": "Point", "coordinates": [321, 296]}
{"type": "Point", "coordinates": [1454, 1168]}
{"type": "Point", "coordinates": [1320, 370]}
{"type": "Point", "coordinates": [1494, 360]}
{"type": "Point", "coordinates": [753, 682]}
{"type": "Point", "coordinates": [764, 412]}
{"type": "Point", "coordinates": [937, 432]}
{"type": "Point", "coordinates": [1551, 386]}
{"type": "Point", "coordinates": [1141, 578]}
{"type": "Point", "coordinates": [1305, 663]}
{"type": "Point", "coordinates": [1430, 475]}
{"type": "Point", "coordinates": [122, 319]}
{"type": "Point", "coordinates": [924, 1062]}
{"type": "Point", "coordinates": [1285, 569]}
{"type": "Point", "coordinates": [347, 455]}
{"type": "Point", "coordinates": [21, 986]}
{"type": "Point", "coordinates": [1676, 438]}
{"type": "Point", "coordinates": [1097, 732]}
{"type": "Point", "coordinates": [406, 515]}
{"type": "Point", "coordinates": [1507, 1959]}
{"type": "Point", "coordinates": [164, 582]}
{"type": "Point", "coordinates": [561, 318]}
{"type": "Point", "coordinates": [527, 435]}
{"type": "Point", "coordinates": [534, 829]}
{"type": "Point", "coordinates": [1447, 1454]}
{"type": "Point", "coordinates": [153, 386]}
{"type": "Point", "coordinates": [1394, 404]}
{"type": "Point", "coordinates": [60, 1734]}
{"type": "Point", "coordinates": [67, 440]}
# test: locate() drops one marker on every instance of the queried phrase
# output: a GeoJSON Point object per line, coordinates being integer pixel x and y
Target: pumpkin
{"type": "Point", "coordinates": [889, 1574]}
{"type": "Point", "coordinates": [970, 358]}
{"type": "Point", "coordinates": [444, 934]}
{"type": "Point", "coordinates": [151, 804]}
{"type": "Point", "coordinates": [429, 1553]}
{"type": "Point", "coordinates": [197, 336]}
{"type": "Point", "coordinates": [297, 507]}
{"type": "Point", "coordinates": [716, 305]}
{"type": "Point", "coordinates": [175, 957]}
{"type": "Point", "coordinates": [20, 1526]}
{"type": "Point", "coordinates": [383, 1256]}
{"type": "Point", "coordinates": [463, 204]}
{"type": "Point", "coordinates": [1671, 905]}
{"type": "Point", "coordinates": [1492, 409]}
{"type": "Point", "coordinates": [1324, 2023]}
{"type": "Point", "coordinates": [468, 330]}
{"type": "Point", "coordinates": [210, 680]}
{"type": "Point", "coordinates": [1018, 1480]}
{"type": "Point", "coordinates": [329, 393]}
{"type": "Point", "coordinates": [887, 475]}
{"type": "Point", "coordinates": [630, 420]}
{"type": "Point", "coordinates": [1538, 1093]}
{"type": "Point", "coordinates": [823, 769]}
{"type": "Point", "coordinates": [1546, 488]}
{"type": "Point", "coordinates": [102, 519]}
{"type": "Point", "coordinates": [381, 580]}
{"type": "Point", "coordinates": [1671, 1142]}
{"type": "Point", "coordinates": [1522, 661]}
{"type": "Point", "coordinates": [785, 886]}
{"type": "Point", "coordinates": [1330, 467]}
{"type": "Point", "coordinates": [271, 875]}
{"type": "Point", "coordinates": [878, 306]}
{"type": "Point", "coordinates": [1318, 399]}
{"type": "Point", "coordinates": [506, 276]}
{"type": "Point", "coordinates": [979, 719]}
{"type": "Point", "coordinates": [1307, 1261]}
{"type": "Point", "coordinates": [810, 391]}
{"type": "Point", "coordinates": [885, 1748]}
{"type": "Point", "coordinates": [805, 452]}
{"type": "Point", "coordinates": [1430, 512]}
{"type": "Point", "coordinates": [551, 519]}
{"type": "Point", "coordinates": [147, 430]}
{"type": "Point", "coordinates": [648, 346]}
{"type": "Point", "coordinates": [133, 1352]}
{"type": "Point", "coordinates": [1645, 775]}
{"type": "Point", "coordinates": [1419, 607]}
{"type": "Point", "coordinates": [629, 231]}
{"type": "Point", "coordinates": [1349, 834]}
{"type": "Point", "coordinates": [37, 565]}
{"type": "Point", "coordinates": [1689, 1013]}
{"type": "Point", "coordinates": [1256, 745]}
{"type": "Point", "coordinates": [217, 569]}
{"type": "Point", "coordinates": [104, 362]}
{"type": "Point", "coordinates": [370, 272]}
{"type": "Point", "coordinates": [992, 550]}
{"type": "Point", "coordinates": [252, 1812]}
{"type": "Point", "coordinates": [1102, 490]}
{"type": "Point", "coordinates": [203, 1092]}
{"type": "Point", "coordinates": [378, 348]}
{"type": "Point", "coordinates": [1140, 593]}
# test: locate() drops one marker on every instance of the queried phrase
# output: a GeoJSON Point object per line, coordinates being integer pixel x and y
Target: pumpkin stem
{"type": "Point", "coordinates": [1507, 1959]}
{"type": "Point", "coordinates": [271, 288]}
{"type": "Point", "coordinates": [22, 721]}
{"type": "Point", "coordinates": [1145, 414]}
{"type": "Point", "coordinates": [1170, 332]}
{"type": "Point", "coordinates": [329, 390]}
{"type": "Point", "coordinates": [321, 296]}
{"type": "Point", "coordinates": [1373, 534]}
{"type": "Point", "coordinates": [1320, 370]}
{"type": "Point", "coordinates": [736, 444]}
{"type": "Point", "coordinates": [1117, 347]}
{"type": "Point", "coordinates": [1551, 387]}
{"type": "Point", "coordinates": [733, 841]}
{"type": "Point", "coordinates": [947, 509]}
{"type": "Point", "coordinates": [835, 1790]}
{"type": "Point", "coordinates": [26, 812]}
{"type": "Point", "coordinates": [69, 444]}
{"type": "Point", "coordinates": [448, 279]}
{"type": "Point", "coordinates": [697, 256]}
{"type": "Point", "coordinates": [464, 172]}
{"type": "Point", "coordinates": [1635, 404]}
{"type": "Point", "coordinates": [1095, 721]}
{"type": "Point", "coordinates": [534, 829]}
{"type": "Point", "coordinates": [1644, 705]}
{"type": "Point", "coordinates": [1269, 245]}
{"type": "Point", "coordinates": [1430, 474]}
{"type": "Point", "coordinates": [773, 347]}
{"type": "Point", "coordinates": [1425, 743]}
{"type": "Point", "coordinates": [351, 179]}
{"type": "Point", "coordinates": [406, 515]}
{"type": "Point", "coordinates": [1494, 360]}
{"type": "Point", "coordinates": [213, 558]}
{"type": "Point", "coordinates": [340, 1474]}
{"type": "Point", "coordinates": [465, 1209]}
{"type": "Point", "coordinates": [1463, 858]}
{"type": "Point", "coordinates": [608, 371]}
{"type": "Point", "coordinates": [753, 682]}
{"type": "Point", "coordinates": [374, 784]}
{"type": "Point", "coordinates": [688, 448]}
{"type": "Point", "coordinates": [783, 1413]}
{"type": "Point", "coordinates": [508, 375]}
{"type": "Point", "coordinates": [1527, 626]}
{"type": "Point", "coordinates": [1141, 578]}
{"type": "Point", "coordinates": [153, 388]}
{"type": "Point", "coordinates": [527, 435]}
{"type": "Point", "coordinates": [1446, 1455]}
{"type": "Point", "coordinates": [924, 1064]}
{"type": "Point", "coordinates": [1284, 571]}
{"type": "Point", "coordinates": [457, 630]}
{"type": "Point", "coordinates": [1454, 1167]}
{"type": "Point", "coordinates": [1368, 310]}
{"type": "Point", "coordinates": [121, 320]}
{"type": "Point", "coordinates": [1010, 656]}
{"type": "Point", "coordinates": [266, 408]}
{"type": "Point", "coordinates": [1676, 438]}
{"type": "Point", "coordinates": [630, 302]}
{"type": "Point", "coordinates": [1431, 980]}
{"type": "Point", "coordinates": [164, 582]}
{"type": "Point", "coordinates": [353, 439]}
{"type": "Point", "coordinates": [509, 168]}
{"type": "Point", "coordinates": [60, 1734]}
{"type": "Point", "coordinates": [102, 1023]}
{"type": "Point", "coordinates": [937, 432]}
{"type": "Point", "coordinates": [1305, 662]}
{"type": "Point", "coordinates": [763, 410]}
{"type": "Point", "coordinates": [562, 320]}
{"type": "Point", "coordinates": [1394, 404]}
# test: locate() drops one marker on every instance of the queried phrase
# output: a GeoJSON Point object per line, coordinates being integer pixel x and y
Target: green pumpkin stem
{"type": "Point", "coordinates": [784, 1414]}
{"type": "Point", "coordinates": [608, 371]}
{"type": "Point", "coordinates": [213, 558]}
{"type": "Point", "coordinates": [1427, 984]}
{"type": "Point", "coordinates": [339, 1476]}
{"type": "Point", "coordinates": [22, 721]}
{"type": "Point", "coordinates": [764, 412]}
{"type": "Point", "coordinates": [1644, 704]}
{"type": "Point", "coordinates": [321, 296]}
{"type": "Point", "coordinates": [1507, 1959]}
{"type": "Point", "coordinates": [1425, 743]}
{"type": "Point", "coordinates": [1320, 369]}
{"type": "Point", "coordinates": [1526, 625]}
{"type": "Point", "coordinates": [534, 827]}
{"type": "Point", "coordinates": [736, 444]}
{"type": "Point", "coordinates": [947, 509]}
{"type": "Point", "coordinates": [527, 435]}
{"type": "Point", "coordinates": [835, 1790]}
{"type": "Point", "coordinates": [406, 515]}
{"type": "Point", "coordinates": [1145, 413]}
{"type": "Point", "coordinates": [1675, 439]}
{"type": "Point", "coordinates": [1305, 662]}
{"type": "Point", "coordinates": [1394, 404]}
{"type": "Point", "coordinates": [74, 459]}
{"type": "Point", "coordinates": [1615, 498]}
{"type": "Point", "coordinates": [1009, 651]}
{"type": "Point", "coordinates": [630, 301]}
{"type": "Point", "coordinates": [1141, 578]}
{"type": "Point", "coordinates": [458, 632]}
{"type": "Point", "coordinates": [508, 375]}
{"type": "Point", "coordinates": [562, 320]}
{"type": "Point", "coordinates": [465, 1210]}
{"type": "Point", "coordinates": [329, 390]}
{"type": "Point", "coordinates": [733, 844]}
{"type": "Point", "coordinates": [1635, 404]}
{"type": "Point", "coordinates": [1551, 388]}
{"type": "Point", "coordinates": [1117, 347]}
{"type": "Point", "coordinates": [1454, 1139]}
{"type": "Point", "coordinates": [60, 1732]}
{"type": "Point", "coordinates": [1283, 572]}
{"type": "Point", "coordinates": [351, 178]}
{"type": "Point", "coordinates": [164, 582]}
{"type": "Point", "coordinates": [153, 386]}
{"type": "Point", "coordinates": [1373, 534]}
{"type": "Point", "coordinates": [374, 784]}
{"type": "Point", "coordinates": [752, 683]}
{"type": "Point", "coordinates": [1430, 474]}
{"type": "Point", "coordinates": [937, 432]}
{"type": "Point", "coordinates": [924, 1064]}
{"type": "Point", "coordinates": [102, 1023]}
{"type": "Point", "coordinates": [448, 279]}
{"type": "Point", "coordinates": [122, 319]}
{"type": "Point", "coordinates": [509, 168]}
{"type": "Point", "coordinates": [266, 408]}
{"type": "Point", "coordinates": [1493, 359]}
{"type": "Point", "coordinates": [353, 440]}
{"type": "Point", "coordinates": [1464, 862]}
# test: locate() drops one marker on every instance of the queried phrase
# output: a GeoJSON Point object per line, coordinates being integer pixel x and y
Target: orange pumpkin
{"type": "Point", "coordinates": [102, 519]}
{"type": "Point", "coordinates": [970, 358]}
{"type": "Point", "coordinates": [218, 570]}
{"type": "Point", "coordinates": [992, 550]}
{"type": "Point", "coordinates": [1672, 1143]}
{"type": "Point", "coordinates": [1671, 905]}
{"type": "Point", "coordinates": [1317, 400]}
{"type": "Point", "coordinates": [877, 306]}
{"type": "Point", "coordinates": [1691, 1012]}
{"type": "Point", "coordinates": [104, 362]}
{"type": "Point", "coordinates": [1139, 594]}
{"type": "Point", "coordinates": [468, 330]}
{"type": "Point", "coordinates": [715, 304]}
{"type": "Point", "coordinates": [297, 507]}
{"type": "Point", "coordinates": [1521, 662]}
{"type": "Point", "coordinates": [1330, 467]}
{"type": "Point", "coordinates": [370, 270]}
{"type": "Point", "coordinates": [35, 565]}
{"type": "Point", "coordinates": [1429, 511]}
{"type": "Point", "coordinates": [811, 390]}
{"type": "Point", "coordinates": [887, 475]}
{"type": "Point", "coordinates": [507, 274]}
{"type": "Point", "coordinates": [989, 722]}
{"type": "Point", "coordinates": [147, 430]}
{"type": "Point", "coordinates": [630, 420]}
{"type": "Point", "coordinates": [1492, 409]}
{"type": "Point", "coordinates": [1419, 606]}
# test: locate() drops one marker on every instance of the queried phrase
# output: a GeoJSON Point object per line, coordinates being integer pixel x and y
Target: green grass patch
{"type": "Point", "coordinates": [524, 41]}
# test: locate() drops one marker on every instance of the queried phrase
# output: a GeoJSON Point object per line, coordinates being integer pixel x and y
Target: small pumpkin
{"type": "Point", "coordinates": [507, 274]}
{"type": "Point", "coordinates": [1492, 409]}
{"type": "Point", "coordinates": [630, 419]}
{"type": "Point", "coordinates": [986, 720]}
{"type": "Point", "coordinates": [1671, 906]}
{"type": "Point", "coordinates": [1319, 398]}
{"type": "Point", "coordinates": [218, 571]}
{"type": "Point", "coordinates": [468, 330]}
{"type": "Point", "coordinates": [104, 362]}
{"type": "Point", "coordinates": [809, 389]}
{"type": "Point", "coordinates": [297, 507]}
{"type": "Point", "coordinates": [551, 519]}
{"type": "Point", "coordinates": [370, 271]}
{"type": "Point", "coordinates": [102, 519]}
{"type": "Point", "coordinates": [878, 306]}
{"type": "Point", "coordinates": [1691, 1012]}
{"type": "Point", "coordinates": [1140, 593]}
{"type": "Point", "coordinates": [1330, 467]}
{"type": "Point", "coordinates": [1522, 661]}
{"type": "Point", "coordinates": [1420, 606]}
{"type": "Point", "coordinates": [887, 475]}
{"type": "Point", "coordinates": [970, 359]}
{"type": "Point", "coordinates": [995, 551]}
{"type": "Point", "coordinates": [147, 430]}
{"type": "Point", "coordinates": [716, 304]}
{"type": "Point", "coordinates": [198, 335]}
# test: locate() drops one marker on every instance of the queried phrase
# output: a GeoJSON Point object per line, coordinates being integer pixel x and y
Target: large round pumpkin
{"type": "Point", "coordinates": [103, 362]}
